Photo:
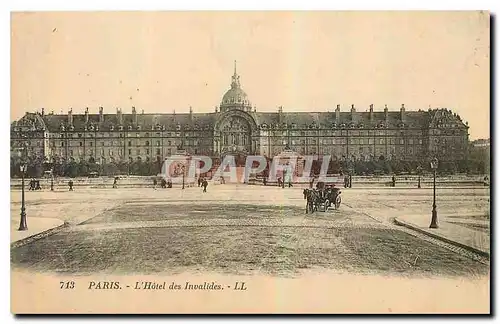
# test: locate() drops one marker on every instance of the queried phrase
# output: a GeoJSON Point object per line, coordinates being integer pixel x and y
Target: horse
{"type": "Point", "coordinates": [312, 198]}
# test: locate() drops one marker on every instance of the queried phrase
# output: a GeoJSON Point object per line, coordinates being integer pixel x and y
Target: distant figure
{"type": "Point", "coordinates": [222, 180]}
{"type": "Point", "coordinates": [70, 184]}
{"type": "Point", "coordinates": [199, 181]}
{"type": "Point", "coordinates": [279, 181]}
{"type": "Point", "coordinates": [37, 182]}
{"type": "Point", "coordinates": [32, 184]}
{"type": "Point", "coordinates": [311, 183]}
{"type": "Point", "coordinates": [350, 181]}
{"type": "Point", "coordinates": [204, 184]}
{"type": "Point", "coordinates": [264, 181]}
{"type": "Point", "coordinates": [393, 181]}
{"type": "Point", "coordinates": [346, 181]}
{"type": "Point", "coordinates": [155, 182]}
{"type": "Point", "coordinates": [115, 181]}
{"type": "Point", "coordinates": [169, 183]}
{"type": "Point", "coordinates": [163, 183]}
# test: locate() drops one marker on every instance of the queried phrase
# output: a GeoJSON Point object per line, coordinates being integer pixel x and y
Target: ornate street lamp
{"type": "Point", "coordinates": [52, 179]}
{"type": "Point", "coordinates": [434, 223]}
{"type": "Point", "coordinates": [183, 168]}
{"type": "Point", "coordinates": [419, 172]}
{"type": "Point", "coordinates": [23, 225]}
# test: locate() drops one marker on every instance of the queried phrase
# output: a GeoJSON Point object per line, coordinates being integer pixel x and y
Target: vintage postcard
{"type": "Point", "coordinates": [250, 162]}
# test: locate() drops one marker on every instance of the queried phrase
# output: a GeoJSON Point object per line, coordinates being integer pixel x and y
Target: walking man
{"type": "Point", "coordinates": [70, 184]}
{"type": "Point", "coordinates": [114, 182]}
{"type": "Point", "coordinates": [204, 184]}
{"type": "Point", "coordinates": [155, 182]}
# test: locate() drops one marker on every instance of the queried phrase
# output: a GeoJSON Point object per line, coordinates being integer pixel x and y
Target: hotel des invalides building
{"type": "Point", "coordinates": [349, 136]}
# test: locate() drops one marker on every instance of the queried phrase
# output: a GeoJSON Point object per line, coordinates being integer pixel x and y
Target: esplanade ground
{"type": "Point", "coordinates": [245, 229]}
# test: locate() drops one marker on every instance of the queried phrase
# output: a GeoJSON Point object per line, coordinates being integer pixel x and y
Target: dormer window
{"type": "Point", "coordinates": [163, 127]}
{"type": "Point", "coordinates": [361, 126]}
{"type": "Point", "coordinates": [178, 127]}
{"type": "Point", "coordinates": [120, 127]}
{"type": "Point", "coordinates": [129, 127]}
{"type": "Point", "coordinates": [97, 128]}
{"type": "Point", "coordinates": [111, 127]}
{"type": "Point", "coordinates": [91, 127]}
{"type": "Point", "coordinates": [71, 127]}
{"type": "Point", "coordinates": [139, 127]}
{"type": "Point", "coordinates": [62, 127]}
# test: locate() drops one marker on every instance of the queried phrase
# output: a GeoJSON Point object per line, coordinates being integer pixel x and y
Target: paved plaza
{"type": "Point", "coordinates": [241, 229]}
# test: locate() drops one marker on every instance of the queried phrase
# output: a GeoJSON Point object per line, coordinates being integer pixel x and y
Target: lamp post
{"type": "Point", "coordinates": [52, 179]}
{"type": "Point", "coordinates": [183, 168]}
{"type": "Point", "coordinates": [419, 172]}
{"type": "Point", "coordinates": [434, 223]}
{"type": "Point", "coordinates": [23, 225]}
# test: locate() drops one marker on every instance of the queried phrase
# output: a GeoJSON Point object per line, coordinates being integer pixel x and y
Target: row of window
{"type": "Point", "coordinates": [354, 141]}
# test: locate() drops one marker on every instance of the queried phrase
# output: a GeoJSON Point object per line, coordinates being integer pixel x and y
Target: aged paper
{"type": "Point", "coordinates": [250, 162]}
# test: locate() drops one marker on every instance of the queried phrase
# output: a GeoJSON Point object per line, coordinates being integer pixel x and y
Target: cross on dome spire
{"type": "Point", "coordinates": [236, 78]}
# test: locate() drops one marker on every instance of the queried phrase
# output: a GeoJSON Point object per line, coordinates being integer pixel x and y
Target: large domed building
{"type": "Point", "coordinates": [235, 127]}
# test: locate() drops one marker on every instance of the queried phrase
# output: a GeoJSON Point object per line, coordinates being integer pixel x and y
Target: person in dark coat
{"type": "Point", "coordinates": [169, 183]}
{"type": "Point", "coordinates": [264, 180]}
{"type": "Point", "coordinates": [393, 181]}
{"type": "Point", "coordinates": [204, 184]}
{"type": "Point", "coordinates": [32, 184]}
{"type": "Point", "coordinates": [37, 182]}
{"type": "Point", "coordinates": [115, 181]}
{"type": "Point", "coordinates": [199, 181]}
{"type": "Point", "coordinates": [155, 182]}
{"type": "Point", "coordinates": [70, 184]}
{"type": "Point", "coordinates": [163, 183]}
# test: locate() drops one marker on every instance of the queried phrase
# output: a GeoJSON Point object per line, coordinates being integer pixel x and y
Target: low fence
{"type": "Point", "coordinates": [357, 181]}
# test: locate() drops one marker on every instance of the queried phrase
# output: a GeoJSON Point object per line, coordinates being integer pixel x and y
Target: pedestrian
{"type": "Point", "coordinates": [32, 184]}
{"type": "Point", "coordinates": [264, 180]}
{"type": "Point", "coordinates": [70, 184]}
{"type": "Point", "coordinates": [199, 181]}
{"type": "Point", "coordinates": [115, 182]}
{"type": "Point", "coordinates": [393, 181]}
{"type": "Point", "coordinates": [169, 183]}
{"type": "Point", "coordinates": [205, 184]}
{"type": "Point", "coordinates": [279, 181]}
{"type": "Point", "coordinates": [155, 182]}
{"type": "Point", "coordinates": [37, 182]}
{"type": "Point", "coordinates": [222, 180]}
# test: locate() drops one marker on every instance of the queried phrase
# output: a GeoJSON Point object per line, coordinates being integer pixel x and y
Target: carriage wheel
{"type": "Point", "coordinates": [327, 204]}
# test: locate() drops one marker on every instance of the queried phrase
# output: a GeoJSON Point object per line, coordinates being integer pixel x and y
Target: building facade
{"type": "Point", "coordinates": [236, 127]}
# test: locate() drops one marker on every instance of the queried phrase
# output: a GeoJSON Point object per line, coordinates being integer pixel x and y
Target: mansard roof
{"type": "Point", "coordinates": [301, 120]}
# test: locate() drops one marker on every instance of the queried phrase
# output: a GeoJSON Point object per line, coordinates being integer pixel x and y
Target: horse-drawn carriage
{"type": "Point", "coordinates": [322, 198]}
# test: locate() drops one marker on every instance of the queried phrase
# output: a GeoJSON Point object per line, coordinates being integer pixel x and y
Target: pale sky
{"type": "Point", "coordinates": [161, 61]}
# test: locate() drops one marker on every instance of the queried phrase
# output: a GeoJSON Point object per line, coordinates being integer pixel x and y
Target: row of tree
{"type": "Point", "coordinates": [36, 168]}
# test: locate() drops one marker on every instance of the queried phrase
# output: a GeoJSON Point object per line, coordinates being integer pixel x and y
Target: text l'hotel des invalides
{"type": "Point", "coordinates": [236, 127]}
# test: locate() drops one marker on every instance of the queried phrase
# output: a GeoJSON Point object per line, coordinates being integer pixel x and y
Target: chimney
{"type": "Point", "coordinates": [353, 113]}
{"type": "Point", "coordinates": [337, 114]}
{"type": "Point", "coordinates": [371, 112]}
{"type": "Point", "coordinates": [402, 112]}
{"type": "Point", "coordinates": [216, 109]}
{"type": "Point", "coordinates": [119, 116]}
{"type": "Point", "coordinates": [70, 117]}
{"type": "Point", "coordinates": [101, 114]}
{"type": "Point", "coordinates": [86, 115]}
{"type": "Point", "coordinates": [134, 116]}
{"type": "Point", "coordinates": [190, 113]}
{"type": "Point", "coordinates": [43, 111]}
{"type": "Point", "coordinates": [386, 113]}
{"type": "Point", "coordinates": [280, 114]}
